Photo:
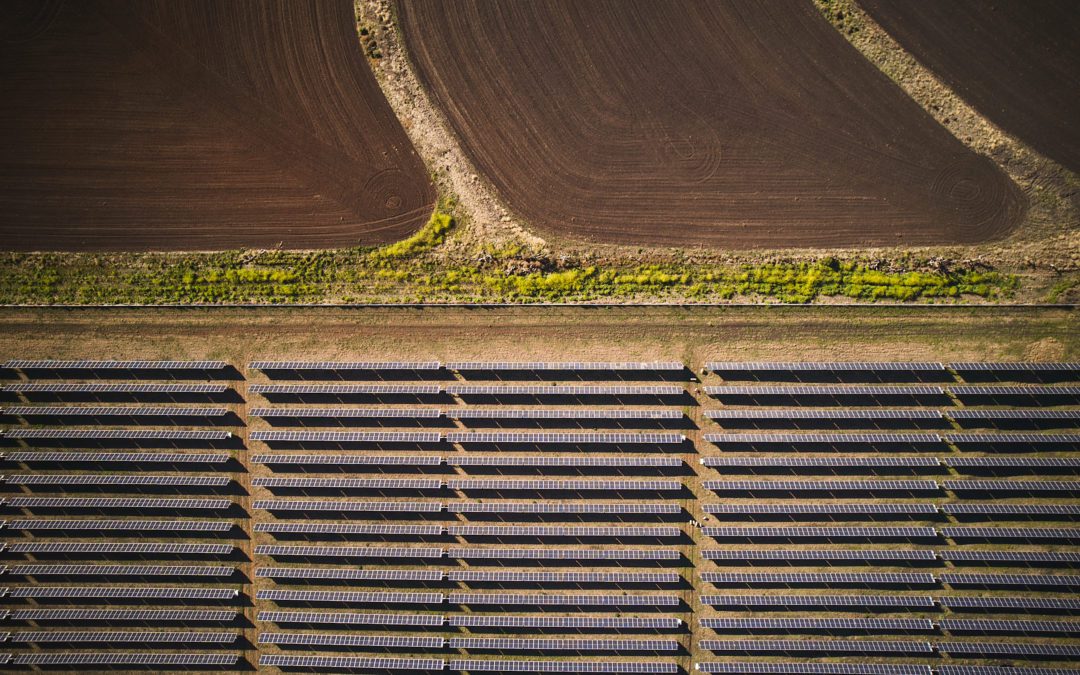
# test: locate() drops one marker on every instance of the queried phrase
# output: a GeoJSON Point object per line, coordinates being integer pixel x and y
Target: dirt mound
{"type": "Point", "coordinates": [739, 124]}
{"type": "Point", "coordinates": [1016, 62]}
{"type": "Point", "coordinates": [197, 125]}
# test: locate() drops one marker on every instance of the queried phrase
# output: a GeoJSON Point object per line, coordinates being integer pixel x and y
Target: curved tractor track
{"type": "Point", "coordinates": [1016, 62]}
{"type": "Point", "coordinates": [198, 125]}
{"type": "Point", "coordinates": [749, 123]}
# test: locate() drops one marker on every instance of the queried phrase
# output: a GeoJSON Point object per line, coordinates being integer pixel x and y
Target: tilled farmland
{"type": "Point", "coordinates": [735, 124]}
{"type": "Point", "coordinates": [198, 125]}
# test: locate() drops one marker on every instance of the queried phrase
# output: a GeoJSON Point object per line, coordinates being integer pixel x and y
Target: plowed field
{"type": "Point", "coordinates": [742, 123]}
{"type": "Point", "coordinates": [197, 125]}
{"type": "Point", "coordinates": [1016, 62]}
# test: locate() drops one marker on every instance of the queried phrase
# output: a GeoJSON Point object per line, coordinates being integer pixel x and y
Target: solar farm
{"type": "Point", "coordinates": [863, 518]}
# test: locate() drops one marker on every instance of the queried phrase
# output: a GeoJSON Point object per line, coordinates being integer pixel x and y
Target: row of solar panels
{"type": "Point", "coordinates": [1024, 486]}
{"type": "Point", "coordinates": [33, 570]}
{"type": "Point", "coordinates": [509, 644]}
{"type": "Point", "coordinates": [886, 647]}
{"type": "Point", "coordinates": [119, 659]}
{"type": "Point", "coordinates": [886, 366]}
{"type": "Point", "coordinates": [892, 625]}
{"type": "Point", "coordinates": [953, 602]}
{"type": "Point", "coordinates": [144, 636]}
{"type": "Point", "coordinates": [473, 666]}
{"type": "Point", "coordinates": [820, 668]}
{"type": "Point", "coordinates": [907, 508]}
{"type": "Point", "coordinates": [891, 579]}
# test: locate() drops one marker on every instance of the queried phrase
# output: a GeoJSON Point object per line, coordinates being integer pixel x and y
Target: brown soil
{"type": "Point", "coordinates": [1016, 62]}
{"type": "Point", "coordinates": [740, 124]}
{"type": "Point", "coordinates": [198, 125]}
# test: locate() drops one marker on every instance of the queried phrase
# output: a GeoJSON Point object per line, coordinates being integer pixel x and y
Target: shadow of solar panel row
{"type": "Point", "coordinates": [124, 658]}
{"type": "Point", "coordinates": [818, 624]}
{"type": "Point", "coordinates": [815, 668]}
{"type": "Point", "coordinates": [563, 554]}
{"type": "Point", "coordinates": [349, 551]}
{"type": "Point", "coordinates": [132, 525]}
{"type": "Point", "coordinates": [114, 388]}
{"type": "Point", "coordinates": [818, 554]}
{"type": "Point", "coordinates": [350, 528]}
{"type": "Point", "coordinates": [802, 414]}
{"type": "Point", "coordinates": [817, 600]}
{"type": "Point", "coordinates": [824, 509]}
{"type": "Point", "coordinates": [143, 592]}
{"type": "Point", "coordinates": [114, 411]}
{"type": "Point", "coordinates": [1009, 626]}
{"type": "Point", "coordinates": [123, 570]}
{"type": "Point", "coordinates": [342, 505]}
{"type": "Point", "coordinates": [87, 364]}
{"type": "Point", "coordinates": [116, 479]}
{"type": "Point", "coordinates": [117, 503]}
{"type": "Point", "coordinates": [821, 461]}
{"type": "Point", "coordinates": [106, 615]}
{"type": "Point", "coordinates": [115, 547]}
{"type": "Point", "coordinates": [120, 457]}
{"type": "Point", "coordinates": [123, 636]}
{"type": "Point", "coordinates": [348, 573]}
{"type": "Point", "coordinates": [827, 646]}
{"type": "Point", "coordinates": [352, 618]}
{"type": "Point", "coordinates": [824, 485]}
{"type": "Point", "coordinates": [821, 532]}
{"type": "Point", "coordinates": [350, 640]}
{"type": "Point", "coordinates": [874, 579]}
{"type": "Point", "coordinates": [515, 666]}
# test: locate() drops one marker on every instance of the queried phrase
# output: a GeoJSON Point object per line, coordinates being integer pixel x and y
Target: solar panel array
{"type": "Point", "coordinates": [354, 545]}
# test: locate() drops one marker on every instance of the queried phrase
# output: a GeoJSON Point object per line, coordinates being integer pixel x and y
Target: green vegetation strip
{"type": "Point", "coordinates": [414, 270]}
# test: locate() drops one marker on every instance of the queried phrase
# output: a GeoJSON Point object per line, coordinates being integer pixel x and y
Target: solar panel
{"type": "Point", "coordinates": [123, 636]}
{"type": "Point", "coordinates": [1009, 556]}
{"type": "Point", "coordinates": [532, 599]}
{"type": "Point", "coordinates": [758, 600]}
{"type": "Point", "coordinates": [1009, 648]}
{"type": "Point", "coordinates": [820, 461]}
{"type": "Point", "coordinates": [566, 365]}
{"type": "Point", "coordinates": [352, 618]}
{"type": "Point", "coordinates": [345, 389]}
{"type": "Point", "coordinates": [115, 547]}
{"type": "Point", "coordinates": [816, 366]}
{"type": "Point", "coordinates": [517, 460]}
{"type": "Point", "coordinates": [38, 591]}
{"type": "Point", "coordinates": [506, 621]}
{"type": "Point", "coordinates": [870, 579]}
{"type": "Point", "coordinates": [351, 640]}
{"type": "Point", "coordinates": [348, 573]}
{"type": "Point", "coordinates": [998, 626]}
{"type": "Point", "coordinates": [555, 507]}
{"type": "Point", "coordinates": [114, 388]}
{"type": "Point", "coordinates": [568, 438]}
{"type": "Point", "coordinates": [116, 503]}
{"type": "Point", "coordinates": [827, 646]}
{"type": "Point", "coordinates": [114, 411]}
{"type": "Point", "coordinates": [1011, 579]}
{"type": "Point", "coordinates": [780, 625]}
{"type": "Point", "coordinates": [986, 366]}
{"type": "Point", "coordinates": [349, 662]}
{"type": "Point", "coordinates": [344, 365]}
{"type": "Point", "coordinates": [346, 436]}
{"type": "Point", "coordinates": [1012, 509]}
{"type": "Point", "coordinates": [559, 414]}
{"type": "Point", "coordinates": [824, 439]}
{"type": "Point", "coordinates": [558, 644]}
{"type": "Point", "coordinates": [1013, 485]}
{"type": "Point", "coordinates": [564, 553]}
{"type": "Point", "coordinates": [107, 615]}
{"type": "Point", "coordinates": [81, 364]}
{"type": "Point", "coordinates": [1008, 603]}
{"type": "Point", "coordinates": [124, 570]}
{"type": "Point", "coordinates": [1065, 533]}
{"type": "Point", "coordinates": [1015, 438]}
{"type": "Point", "coordinates": [564, 666]}
{"type": "Point", "coordinates": [1000, 670]}
{"type": "Point", "coordinates": [349, 460]}
{"type": "Point", "coordinates": [28, 434]}
{"type": "Point", "coordinates": [345, 505]}
{"type": "Point", "coordinates": [860, 391]}
{"type": "Point", "coordinates": [563, 390]}
{"type": "Point", "coordinates": [824, 509]}
{"type": "Point", "coordinates": [802, 414]}
{"type": "Point", "coordinates": [822, 485]}
{"type": "Point", "coordinates": [545, 485]}
{"type": "Point", "coordinates": [1012, 390]}
{"type": "Point", "coordinates": [127, 525]}
{"type": "Point", "coordinates": [120, 457]}
{"type": "Point", "coordinates": [567, 577]}
{"type": "Point", "coordinates": [1026, 462]}
{"type": "Point", "coordinates": [350, 483]}
{"type": "Point", "coordinates": [126, 658]}
{"type": "Point", "coordinates": [816, 668]}
{"type": "Point", "coordinates": [818, 554]}
{"type": "Point", "coordinates": [350, 528]}
{"type": "Point", "coordinates": [349, 551]}
{"type": "Point", "coordinates": [1014, 414]}
{"type": "Point", "coordinates": [349, 597]}
{"type": "Point", "coordinates": [581, 532]}
{"type": "Point", "coordinates": [116, 479]}
{"type": "Point", "coordinates": [346, 413]}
